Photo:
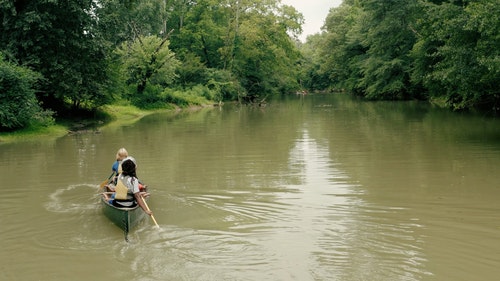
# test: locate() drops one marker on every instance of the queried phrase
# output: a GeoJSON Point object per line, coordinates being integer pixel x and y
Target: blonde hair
{"type": "Point", "coordinates": [121, 154]}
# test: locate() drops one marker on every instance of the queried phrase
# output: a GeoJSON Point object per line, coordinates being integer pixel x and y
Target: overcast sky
{"type": "Point", "coordinates": [314, 12]}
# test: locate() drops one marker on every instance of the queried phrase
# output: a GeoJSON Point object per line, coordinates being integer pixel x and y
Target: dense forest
{"type": "Point", "coordinates": [62, 57]}
{"type": "Point", "coordinates": [444, 51]}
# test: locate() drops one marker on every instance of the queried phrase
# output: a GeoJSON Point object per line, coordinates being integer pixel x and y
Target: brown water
{"type": "Point", "coordinates": [314, 188]}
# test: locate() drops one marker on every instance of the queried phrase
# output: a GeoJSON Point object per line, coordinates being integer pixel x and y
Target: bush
{"type": "Point", "coordinates": [224, 84]}
{"type": "Point", "coordinates": [19, 106]}
{"type": "Point", "coordinates": [198, 95]}
{"type": "Point", "coordinates": [150, 98]}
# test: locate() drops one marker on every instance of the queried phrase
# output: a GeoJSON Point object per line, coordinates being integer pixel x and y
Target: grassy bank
{"type": "Point", "coordinates": [30, 133]}
{"type": "Point", "coordinates": [107, 115]}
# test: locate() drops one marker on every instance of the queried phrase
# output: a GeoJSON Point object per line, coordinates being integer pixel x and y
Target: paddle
{"type": "Point", "coordinates": [147, 208]}
{"type": "Point", "coordinates": [106, 181]}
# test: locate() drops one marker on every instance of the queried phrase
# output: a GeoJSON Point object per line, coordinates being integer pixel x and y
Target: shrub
{"type": "Point", "coordinates": [198, 95]}
{"type": "Point", "coordinates": [223, 84]}
{"type": "Point", "coordinates": [19, 106]}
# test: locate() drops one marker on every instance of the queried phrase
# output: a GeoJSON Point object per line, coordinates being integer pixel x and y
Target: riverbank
{"type": "Point", "coordinates": [109, 115]}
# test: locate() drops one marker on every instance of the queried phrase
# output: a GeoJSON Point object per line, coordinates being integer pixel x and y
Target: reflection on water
{"type": "Point", "coordinates": [320, 188]}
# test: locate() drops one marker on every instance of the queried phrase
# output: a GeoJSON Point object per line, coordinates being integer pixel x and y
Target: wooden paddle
{"type": "Point", "coordinates": [147, 208]}
{"type": "Point", "coordinates": [106, 181]}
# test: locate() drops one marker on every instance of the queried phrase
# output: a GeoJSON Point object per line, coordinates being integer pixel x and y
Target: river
{"type": "Point", "coordinates": [316, 187]}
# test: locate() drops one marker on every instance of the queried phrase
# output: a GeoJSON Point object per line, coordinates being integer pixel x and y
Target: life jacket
{"type": "Point", "coordinates": [122, 197]}
{"type": "Point", "coordinates": [121, 191]}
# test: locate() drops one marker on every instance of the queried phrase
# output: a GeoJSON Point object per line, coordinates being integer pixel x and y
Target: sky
{"type": "Point", "coordinates": [314, 12]}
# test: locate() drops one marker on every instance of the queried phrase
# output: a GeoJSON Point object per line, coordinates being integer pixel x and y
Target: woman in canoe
{"type": "Point", "coordinates": [127, 192]}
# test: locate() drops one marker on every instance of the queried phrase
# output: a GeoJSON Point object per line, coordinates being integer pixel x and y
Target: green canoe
{"type": "Point", "coordinates": [124, 218]}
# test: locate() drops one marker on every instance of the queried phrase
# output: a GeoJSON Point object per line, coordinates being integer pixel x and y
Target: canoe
{"type": "Point", "coordinates": [124, 218]}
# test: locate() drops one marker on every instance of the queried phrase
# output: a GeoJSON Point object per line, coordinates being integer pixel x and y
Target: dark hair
{"type": "Point", "coordinates": [128, 168]}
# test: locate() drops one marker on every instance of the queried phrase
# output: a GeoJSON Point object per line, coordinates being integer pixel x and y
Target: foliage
{"type": "Point", "coordinates": [198, 95]}
{"type": "Point", "coordinates": [334, 54]}
{"type": "Point", "coordinates": [19, 107]}
{"type": "Point", "coordinates": [402, 49]}
{"type": "Point", "coordinates": [247, 38]}
{"type": "Point", "coordinates": [58, 39]}
{"type": "Point", "coordinates": [91, 53]}
{"type": "Point", "coordinates": [224, 84]}
{"type": "Point", "coordinates": [215, 42]}
{"type": "Point", "coordinates": [121, 21]}
{"type": "Point", "coordinates": [147, 61]}
{"type": "Point", "coordinates": [191, 70]}
{"type": "Point", "coordinates": [456, 57]}
{"type": "Point", "coordinates": [265, 58]}
{"type": "Point", "coordinates": [369, 44]}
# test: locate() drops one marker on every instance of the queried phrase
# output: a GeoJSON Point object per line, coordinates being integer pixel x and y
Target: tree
{"type": "Point", "coordinates": [311, 75]}
{"type": "Point", "coordinates": [60, 40]}
{"type": "Point", "coordinates": [266, 59]}
{"type": "Point", "coordinates": [147, 61]}
{"type": "Point", "coordinates": [247, 38]}
{"type": "Point", "coordinates": [340, 49]}
{"type": "Point", "coordinates": [389, 39]}
{"type": "Point", "coordinates": [18, 104]}
{"type": "Point", "coordinates": [456, 58]}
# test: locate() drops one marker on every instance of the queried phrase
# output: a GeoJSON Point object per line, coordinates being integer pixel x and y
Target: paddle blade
{"type": "Point", "coordinates": [154, 220]}
{"type": "Point", "coordinates": [106, 181]}
{"type": "Point", "coordinates": [101, 186]}
{"type": "Point", "coordinates": [147, 208]}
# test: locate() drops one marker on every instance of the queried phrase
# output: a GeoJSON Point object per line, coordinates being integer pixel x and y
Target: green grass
{"type": "Point", "coordinates": [110, 115]}
{"type": "Point", "coordinates": [30, 133]}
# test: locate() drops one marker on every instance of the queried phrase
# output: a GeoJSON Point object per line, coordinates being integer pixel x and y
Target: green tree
{"type": "Point", "coordinates": [247, 38]}
{"type": "Point", "coordinates": [311, 76]}
{"type": "Point", "coordinates": [266, 59]}
{"type": "Point", "coordinates": [339, 50]}
{"type": "Point", "coordinates": [60, 40]}
{"type": "Point", "coordinates": [202, 32]}
{"type": "Point", "coordinates": [19, 107]}
{"type": "Point", "coordinates": [147, 61]}
{"type": "Point", "coordinates": [388, 38]}
{"type": "Point", "coordinates": [456, 57]}
{"type": "Point", "coordinates": [366, 48]}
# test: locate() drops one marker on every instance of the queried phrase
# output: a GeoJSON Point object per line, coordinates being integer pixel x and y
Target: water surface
{"type": "Point", "coordinates": [321, 187]}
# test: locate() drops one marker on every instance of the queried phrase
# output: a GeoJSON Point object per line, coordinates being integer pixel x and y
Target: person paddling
{"type": "Point", "coordinates": [127, 192]}
{"type": "Point", "coordinates": [121, 154]}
